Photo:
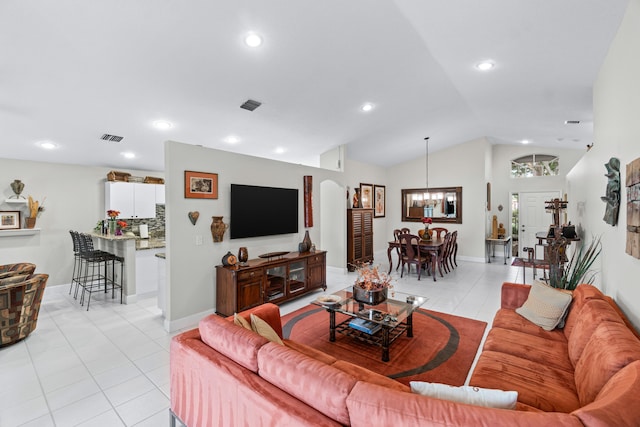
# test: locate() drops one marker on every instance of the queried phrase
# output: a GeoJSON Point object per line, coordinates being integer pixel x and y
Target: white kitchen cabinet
{"type": "Point", "coordinates": [132, 199]}
{"type": "Point", "coordinates": [159, 194]}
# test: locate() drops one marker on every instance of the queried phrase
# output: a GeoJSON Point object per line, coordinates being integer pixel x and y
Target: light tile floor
{"type": "Point", "coordinates": [109, 366]}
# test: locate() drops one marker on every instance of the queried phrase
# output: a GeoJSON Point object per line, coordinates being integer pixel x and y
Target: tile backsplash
{"type": "Point", "coordinates": [156, 225]}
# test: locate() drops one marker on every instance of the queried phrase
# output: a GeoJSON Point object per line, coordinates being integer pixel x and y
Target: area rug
{"type": "Point", "coordinates": [442, 348]}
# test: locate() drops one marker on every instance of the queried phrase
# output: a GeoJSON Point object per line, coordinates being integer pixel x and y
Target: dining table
{"type": "Point", "coordinates": [432, 247]}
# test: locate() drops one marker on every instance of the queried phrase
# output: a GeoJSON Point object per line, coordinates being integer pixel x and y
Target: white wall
{"type": "Point", "coordinates": [191, 267]}
{"type": "Point", "coordinates": [617, 134]}
{"type": "Point", "coordinates": [74, 201]}
{"type": "Point", "coordinates": [459, 166]}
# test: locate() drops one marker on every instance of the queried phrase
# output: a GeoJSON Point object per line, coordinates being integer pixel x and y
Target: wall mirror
{"type": "Point", "coordinates": [442, 204]}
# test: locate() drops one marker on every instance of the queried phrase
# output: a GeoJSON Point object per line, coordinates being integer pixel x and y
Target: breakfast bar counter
{"type": "Point", "coordinates": [123, 246]}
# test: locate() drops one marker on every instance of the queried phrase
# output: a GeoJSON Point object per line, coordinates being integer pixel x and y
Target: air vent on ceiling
{"type": "Point", "coordinates": [251, 105]}
{"type": "Point", "coordinates": [112, 138]}
{"type": "Point", "coordinates": [572, 122]}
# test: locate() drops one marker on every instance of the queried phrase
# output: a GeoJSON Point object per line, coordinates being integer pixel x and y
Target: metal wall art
{"type": "Point", "coordinates": [612, 199]}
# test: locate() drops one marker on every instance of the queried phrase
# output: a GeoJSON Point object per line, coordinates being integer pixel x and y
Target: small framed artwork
{"type": "Point", "coordinates": [366, 196]}
{"type": "Point", "coordinates": [9, 220]}
{"type": "Point", "coordinates": [379, 202]}
{"type": "Point", "coordinates": [200, 185]}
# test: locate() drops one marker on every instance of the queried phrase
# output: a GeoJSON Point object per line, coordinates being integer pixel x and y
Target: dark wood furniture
{"type": "Point", "coordinates": [411, 254]}
{"type": "Point", "coordinates": [277, 279]}
{"type": "Point", "coordinates": [395, 317]}
{"type": "Point", "coordinates": [359, 237]}
{"type": "Point", "coordinates": [433, 247]}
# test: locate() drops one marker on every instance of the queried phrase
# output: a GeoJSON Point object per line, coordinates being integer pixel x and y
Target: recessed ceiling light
{"type": "Point", "coordinates": [525, 141]}
{"type": "Point", "coordinates": [280, 150]}
{"type": "Point", "coordinates": [232, 139]}
{"type": "Point", "coordinates": [162, 124]}
{"type": "Point", "coordinates": [485, 65]}
{"type": "Point", "coordinates": [253, 40]}
{"type": "Point", "coordinates": [48, 145]}
{"type": "Point", "coordinates": [128, 155]}
{"type": "Point", "coordinates": [367, 107]}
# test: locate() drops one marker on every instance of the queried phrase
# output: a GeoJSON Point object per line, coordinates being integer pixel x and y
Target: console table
{"type": "Point", "coordinates": [276, 279]}
{"type": "Point", "coordinates": [491, 247]}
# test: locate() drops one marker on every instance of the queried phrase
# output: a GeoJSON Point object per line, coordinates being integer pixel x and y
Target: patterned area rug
{"type": "Point", "coordinates": [442, 348]}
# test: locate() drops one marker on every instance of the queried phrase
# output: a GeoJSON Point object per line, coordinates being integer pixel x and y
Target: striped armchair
{"type": "Point", "coordinates": [20, 298]}
{"type": "Point", "coordinates": [9, 270]}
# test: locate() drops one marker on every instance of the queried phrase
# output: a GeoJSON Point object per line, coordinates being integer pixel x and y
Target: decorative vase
{"type": "Point", "coordinates": [218, 228]}
{"type": "Point", "coordinates": [118, 231]}
{"type": "Point", "coordinates": [243, 255]}
{"type": "Point", "coordinates": [112, 227]}
{"type": "Point", "coordinates": [370, 297]}
{"type": "Point", "coordinates": [30, 222]}
{"type": "Point", "coordinates": [307, 240]}
{"type": "Point", "coordinates": [356, 198]}
{"type": "Point", "coordinates": [17, 186]}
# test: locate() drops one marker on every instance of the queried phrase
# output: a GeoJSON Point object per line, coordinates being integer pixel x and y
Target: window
{"type": "Point", "coordinates": [534, 165]}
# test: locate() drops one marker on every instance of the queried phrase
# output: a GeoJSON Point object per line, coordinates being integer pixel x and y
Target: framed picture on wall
{"type": "Point", "coordinates": [200, 185]}
{"type": "Point", "coordinates": [366, 196]}
{"type": "Point", "coordinates": [9, 220]}
{"type": "Point", "coordinates": [379, 202]}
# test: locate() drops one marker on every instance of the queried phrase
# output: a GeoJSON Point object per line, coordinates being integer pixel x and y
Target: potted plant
{"type": "Point", "coordinates": [371, 287]}
{"type": "Point", "coordinates": [578, 271]}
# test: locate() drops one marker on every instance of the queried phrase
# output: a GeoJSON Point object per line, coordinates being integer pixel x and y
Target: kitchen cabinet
{"type": "Point", "coordinates": [159, 194]}
{"type": "Point", "coordinates": [132, 199]}
{"type": "Point", "coordinates": [274, 280]}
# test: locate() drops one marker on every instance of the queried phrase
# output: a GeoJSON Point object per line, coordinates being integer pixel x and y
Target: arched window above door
{"type": "Point", "coordinates": [535, 165]}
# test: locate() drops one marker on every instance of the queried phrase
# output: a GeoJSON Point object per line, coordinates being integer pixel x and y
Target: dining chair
{"type": "Point", "coordinates": [453, 249]}
{"type": "Point", "coordinates": [396, 238]}
{"type": "Point", "coordinates": [411, 245]}
{"type": "Point", "coordinates": [439, 231]}
{"type": "Point", "coordinates": [442, 254]}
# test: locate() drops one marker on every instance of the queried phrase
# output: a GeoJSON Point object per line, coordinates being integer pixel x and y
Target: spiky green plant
{"type": "Point", "coordinates": [578, 270]}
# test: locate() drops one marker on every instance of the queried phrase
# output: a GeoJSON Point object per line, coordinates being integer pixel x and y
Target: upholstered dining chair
{"type": "Point", "coordinates": [439, 231]}
{"type": "Point", "coordinates": [412, 254]}
{"type": "Point", "coordinates": [396, 238]}
{"type": "Point", "coordinates": [19, 307]}
{"type": "Point", "coordinates": [8, 270]}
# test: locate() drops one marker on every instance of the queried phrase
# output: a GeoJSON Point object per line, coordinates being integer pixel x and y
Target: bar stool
{"type": "Point", "coordinates": [93, 271]}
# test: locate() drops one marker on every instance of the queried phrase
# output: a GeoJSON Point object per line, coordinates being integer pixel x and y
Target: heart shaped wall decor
{"type": "Point", "coordinates": [193, 217]}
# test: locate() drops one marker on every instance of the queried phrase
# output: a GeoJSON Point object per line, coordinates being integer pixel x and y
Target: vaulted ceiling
{"type": "Point", "coordinates": [71, 71]}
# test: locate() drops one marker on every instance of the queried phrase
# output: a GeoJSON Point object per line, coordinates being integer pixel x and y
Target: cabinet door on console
{"type": "Point", "coordinates": [249, 289]}
{"type": "Point", "coordinates": [317, 272]}
{"type": "Point", "coordinates": [297, 277]}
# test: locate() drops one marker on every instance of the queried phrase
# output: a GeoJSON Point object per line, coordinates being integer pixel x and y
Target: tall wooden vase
{"type": "Point", "coordinates": [218, 228]}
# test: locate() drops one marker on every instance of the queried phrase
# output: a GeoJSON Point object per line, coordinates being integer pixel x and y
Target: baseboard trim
{"type": "Point", "coordinates": [185, 322]}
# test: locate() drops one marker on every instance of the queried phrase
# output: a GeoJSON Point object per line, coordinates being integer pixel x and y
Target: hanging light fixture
{"type": "Point", "coordinates": [428, 203]}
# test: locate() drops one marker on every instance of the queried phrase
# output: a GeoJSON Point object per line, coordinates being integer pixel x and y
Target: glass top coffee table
{"type": "Point", "coordinates": [379, 324]}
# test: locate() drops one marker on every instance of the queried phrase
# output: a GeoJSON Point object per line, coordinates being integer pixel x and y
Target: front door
{"type": "Point", "coordinates": [533, 218]}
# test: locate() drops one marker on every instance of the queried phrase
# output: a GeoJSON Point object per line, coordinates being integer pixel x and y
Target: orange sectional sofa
{"type": "Point", "coordinates": [585, 374]}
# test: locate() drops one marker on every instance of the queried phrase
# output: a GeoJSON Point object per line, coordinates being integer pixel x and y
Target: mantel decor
{"type": "Point", "coordinates": [200, 185]}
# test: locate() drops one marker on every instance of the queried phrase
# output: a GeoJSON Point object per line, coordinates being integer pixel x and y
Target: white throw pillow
{"type": "Point", "coordinates": [263, 328]}
{"type": "Point", "coordinates": [545, 306]}
{"type": "Point", "coordinates": [466, 394]}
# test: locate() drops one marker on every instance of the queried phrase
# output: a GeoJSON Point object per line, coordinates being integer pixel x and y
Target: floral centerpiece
{"type": "Point", "coordinates": [426, 233]}
{"type": "Point", "coordinates": [113, 219]}
{"type": "Point", "coordinates": [371, 287]}
{"type": "Point", "coordinates": [121, 225]}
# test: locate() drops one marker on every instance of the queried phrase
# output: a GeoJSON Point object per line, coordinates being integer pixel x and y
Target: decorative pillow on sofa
{"type": "Point", "coordinates": [241, 321]}
{"type": "Point", "coordinates": [490, 398]}
{"type": "Point", "coordinates": [545, 306]}
{"type": "Point", "coordinates": [263, 328]}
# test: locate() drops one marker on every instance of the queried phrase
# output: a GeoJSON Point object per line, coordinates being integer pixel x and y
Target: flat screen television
{"type": "Point", "coordinates": [263, 211]}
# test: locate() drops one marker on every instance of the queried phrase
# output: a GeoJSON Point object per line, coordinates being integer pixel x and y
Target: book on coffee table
{"type": "Point", "coordinates": [366, 326]}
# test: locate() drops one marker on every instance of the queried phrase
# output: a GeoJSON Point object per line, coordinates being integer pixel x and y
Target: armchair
{"type": "Point", "coordinates": [19, 307]}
